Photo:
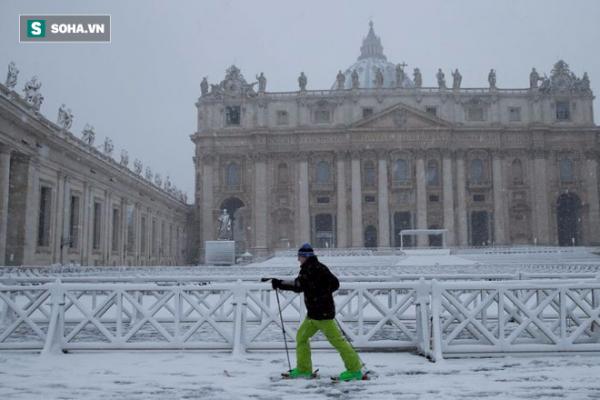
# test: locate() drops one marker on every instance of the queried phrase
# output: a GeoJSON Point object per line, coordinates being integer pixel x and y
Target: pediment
{"type": "Point", "coordinates": [401, 116]}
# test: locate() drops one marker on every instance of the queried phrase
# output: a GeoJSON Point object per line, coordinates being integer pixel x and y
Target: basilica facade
{"type": "Point", "coordinates": [379, 152]}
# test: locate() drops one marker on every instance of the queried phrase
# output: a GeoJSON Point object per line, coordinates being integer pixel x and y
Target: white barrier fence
{"type": "Point", "coordinates": [435, 318]}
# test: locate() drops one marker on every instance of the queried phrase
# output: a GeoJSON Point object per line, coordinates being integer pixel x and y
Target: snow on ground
{"type": "Point", "coordinates": [210, 375]}
{"type": "Point", "coordinates": [435, 260]}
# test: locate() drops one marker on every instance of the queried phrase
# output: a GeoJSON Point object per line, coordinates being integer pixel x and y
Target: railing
{"type": "Point", "coordinates": [436, 318]}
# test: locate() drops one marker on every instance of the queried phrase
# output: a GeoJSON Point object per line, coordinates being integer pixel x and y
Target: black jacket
{"type": "Point", "coordinates": [318, 284]}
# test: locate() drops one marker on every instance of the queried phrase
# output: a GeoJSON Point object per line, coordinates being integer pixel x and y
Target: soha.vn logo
{"type": "Point", "coordinates": [36, 28]}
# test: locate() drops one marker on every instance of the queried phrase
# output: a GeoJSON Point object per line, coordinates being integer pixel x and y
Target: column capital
{"type": "Point", "coordinates": [355, 154]}
{"type": "Point", "coordinates": [4, 149]}
{"type": "Point", "coordinates": [499, 153]}
{"type": "Point", "coordinates": [420, 153]}
{"type": "Point", "coordinates": [342, 154]}
{"type": "Point", "coordinates": [382, 154]}
{"type": "Point", "coordinates": [460, 153]}
{"type": "Point", "coordinates": [447, 153]}
{"type": "Point", "coordinates": [539, 153]}
{"type": "Point", "coordinates": [208, 158]}
{"type": "Point", "coordinates": [258, 157]}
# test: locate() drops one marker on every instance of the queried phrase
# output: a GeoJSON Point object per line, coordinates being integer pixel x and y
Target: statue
{"type": "Point", "coordinates": [167, 183]}
{"type": "Point", "coordinates": [355, 80]}
{"type": "Point", "coordinates": [378, 78]}
{"type": "Point", "coordinates": [204, 86]}
{"type": "Point", "coordinates": [137, 166]}
{"type": "Point", "coordinates": [534, 78]}
{"type": "Point", "coordinates": [417, 77]}
{"type": "Point", "coordinates": [441, 79]}
{"type": "Point", "coordinates": [148, 174]}
{"type": "Point", "coordinates": [492, 79]}
{"type": "Point", "coordinates": [262, 83]}
{"type": "Point", "coordinates": [11, 76]}
{"type": "Point", "coordinates": [108, 147]}
{"type": "Point", "coordinates": [400, 74]}
{"type": "Point", "coordinates": [585, 81]}
{"type": "Point", "coordinates": [224, 232]}
{"type": "Point", "coordinates": [456, 79]}
{"type": "Point", "coordinates": [32, 93]}
{"type": "Point", "coordinates": [302, 81]}
{"type": "Point", "coordinates": [88, 135]}
{"type": "Point", "coordinates": [124, 158]}
{"type": "Point", "coordinates": [157, 180]}
{"type": "Point", "coordinates": [341, 80]}
{"type": "Point", "coordinates": [65, 117]}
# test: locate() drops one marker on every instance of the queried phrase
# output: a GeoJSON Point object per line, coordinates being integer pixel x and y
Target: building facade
{"type": "Point", "coordinates": [64, 201]}
{"type": "Point", "coordinates": [378, 152]}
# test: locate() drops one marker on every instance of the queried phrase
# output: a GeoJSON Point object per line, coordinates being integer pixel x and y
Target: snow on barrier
{"type": "Point", "coordinates": [435, 318]}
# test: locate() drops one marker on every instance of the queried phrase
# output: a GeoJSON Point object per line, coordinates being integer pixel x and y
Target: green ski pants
{"type": "Point", "coordinates": [331, 331]}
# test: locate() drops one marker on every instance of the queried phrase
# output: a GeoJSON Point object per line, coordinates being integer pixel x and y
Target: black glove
{"type": "Point", "coordinates": [276, 283]}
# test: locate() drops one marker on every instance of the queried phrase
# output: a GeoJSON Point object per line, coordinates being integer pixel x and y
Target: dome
{"type": "Point", "coordinates": [372, 58]}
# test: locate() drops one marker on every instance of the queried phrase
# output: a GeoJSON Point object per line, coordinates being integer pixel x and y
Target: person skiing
{"type": "Point", "coordinates": [317, 283]}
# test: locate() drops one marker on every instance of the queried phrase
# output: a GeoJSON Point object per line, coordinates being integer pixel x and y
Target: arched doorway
{"type": "Point", "coordinates": [370, 236]}
{"type": "Point", "coordinates": [324, 231]}
{"type": "Point", "coordinates": [568, 213]}
{"type": "Point", "coordinates": [480, 229]}
{"type": "Point", "coordinates": [435, 240]}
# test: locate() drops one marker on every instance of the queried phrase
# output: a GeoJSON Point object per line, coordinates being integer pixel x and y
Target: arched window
{"type": "Point", "coordinates": [400, 171]}
{"type": "Point", "coordinates": [232, 178]}
{"type": "Point", "coordinates": [477, 171]}
{"type": "Point", "coordinates": [433, 173]}
{"type": "Point", "coordinates": [283, 176]}
{"type": "Point", "coordinates": [369, 174]}
{"type": "Point", "coordinates": [566, 170]}
{"type": "Point", "coordinates": [323, 172]}
{"type": "Point", "coordinates": [517, 171]}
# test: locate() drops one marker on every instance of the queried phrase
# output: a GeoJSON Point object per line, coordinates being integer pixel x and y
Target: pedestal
{"type": "Point", "coordinates": [219, 252]}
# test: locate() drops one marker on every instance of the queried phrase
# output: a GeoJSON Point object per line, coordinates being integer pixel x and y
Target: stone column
{"type": "Point", "coordinates": [4, 189]}
{"type": "Point", "coordinates": [591, 183]}
{"type": "Point", "coordinates": [383, 201]}
{"type": "Point", "coordinates": [500, 213]}
{"type": "Point", "coordinates": [448, 196]}
{"type": "Point", "coordinates": [342, 209]}
{"type": "Point", "coordinates": [541, 209]}
{"type": "Point", "coordinates": [260, 204]}
{"type": "Point", "coordinates": [303, 201]}
{"type": "Point", "coordinates": [31, 213]}
{"type": "Point", "coordinates": [357, 229]}
{"type": "Point", "coordinates": [208, 231]}
{"type": "Point", "coordinates": [58, 217]}
{"type": "Point", "coordinates": [461, 199]}
{"type": "Point", "coordinates": [421, 198]}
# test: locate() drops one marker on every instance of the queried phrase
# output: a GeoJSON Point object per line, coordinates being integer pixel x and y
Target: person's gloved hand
{"type": "Point", "coordinates": [276, 283]}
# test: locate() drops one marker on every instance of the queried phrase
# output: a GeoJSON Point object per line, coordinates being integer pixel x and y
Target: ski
{"type": "Point", "coordinates": [286, 375]}
{"type": "Point", "coordinates": [365, 377]}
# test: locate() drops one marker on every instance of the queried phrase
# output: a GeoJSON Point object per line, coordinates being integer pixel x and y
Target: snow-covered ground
{"type": "Point", "coordinates": [202, 375]}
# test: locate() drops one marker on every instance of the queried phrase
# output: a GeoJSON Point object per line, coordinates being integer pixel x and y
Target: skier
{"type": "Point", "coordinates": [318, 284]}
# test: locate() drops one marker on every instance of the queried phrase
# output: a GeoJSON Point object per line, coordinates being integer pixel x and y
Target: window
{"type": "Point", "coordinates": [232, 178]}
{"type": "Point", "coordinates": [431, 110]}
{"type": "Point", "coordinates": [477, 171]}
{"type": "Point", "coordinates": [282, 117]}
{"type": "Point", "coordinates": [44, 217]}
{"type": "Point", "coordinates": [322, 200]}
{"type": "Point", "coordinates": [475, 114]}
{"type": "Point", "coordinates": [514, 114]}
{"type": "Point", "coordinates": [566, 170]}
{"type": "Point", "coordinates": [323, 172]}
{"type": "Point", "coordinates": [130, 215]}
{"type": "Point", "coordinates": [322, 116]}
{"type": "Point", "coordinates": [369, 174]}
{"type": "Point", "coordinates": [97, 228]}
{"type": "Point", "coordinates": [517, 172]}
{"type": "Point", "coordinates": [478, 197]}
{"type": "Point", "coordinates": [433, 173]}
{"type": "Point", "coordinates": [434, 198]}
{"type": "Point", "coordinates": [369, 198]}
{"type": "Point", "coordinates": [74, 223]}
{"type": "Point", "coordinates": [367, 112]}
{"type": "Point", "coordinates": [143, 244]}
{"type": "Point", "coordinates": [232, 115]}
{"type": "Point", "coordinates": [283, 176]}
{"type": "Point", "coordinates": [116, 230]}
{"type": "Point", "coordinates": [401, 171]}
{"type": "Point", "coordinates": [563, 112]}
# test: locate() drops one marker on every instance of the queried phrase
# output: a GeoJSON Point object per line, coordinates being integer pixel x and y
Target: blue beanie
{"type": "Point", "coordinates": [306, 250]}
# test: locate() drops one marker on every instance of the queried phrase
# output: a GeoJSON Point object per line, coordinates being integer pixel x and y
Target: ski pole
{"type": "Point", "coordinates": [287, 352]}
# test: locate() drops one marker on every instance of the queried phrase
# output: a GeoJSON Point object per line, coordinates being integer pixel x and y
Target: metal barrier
{"type": "Point", "coordinates": [436, 318]}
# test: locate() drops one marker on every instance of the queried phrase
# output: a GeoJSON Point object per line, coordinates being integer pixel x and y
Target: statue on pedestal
{"type": "Point", "coordinates": [11, 76]}
{"type": "Point", "coordinates": [137, 166]}
{"type": "Point", "coordinates": [32, 93]}
{"type": "Point", "coordinates": [224, 232]}
{"type": "Point", "coordinates": [302, 81]}
{"type": "Point", "coordinates": [456, 79]}
{"type": "Point", "coordinates": [341, 80]}
{"type": "Point", "coordinates": [65, 117]}
{"type": "Point", "coordinates": [355, 80]}
{"type": "Point", "coordinates": [88, 135]}
{"type": "Point", "coordinates": [124, 158]}
{"type": "Point", "coordinates": [204, 86]}
{"type": "Point", "coordinates": [492, 79]}
{"type": "Point", "coordinates": [534, 78]}
{"type": "Point", "coordinates": [441, 79]}
{"type": "Point", "coordinates": [262, 83]}
{"type": "Point", "coordinates": [417, 78]}
{"type": "Point", "coordinates": [400, 74]}
{"type": "Point", "coordinates": [378, 78]}
{"type": "Point", "coordinates": [108, 147]}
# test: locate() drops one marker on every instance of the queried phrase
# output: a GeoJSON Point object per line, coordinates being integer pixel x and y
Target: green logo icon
{"type": "Point", "coordinates": [36, 28]}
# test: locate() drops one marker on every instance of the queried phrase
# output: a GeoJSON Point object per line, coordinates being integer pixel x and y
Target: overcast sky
{"type": "Point", "coordinates": [140, 89]}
